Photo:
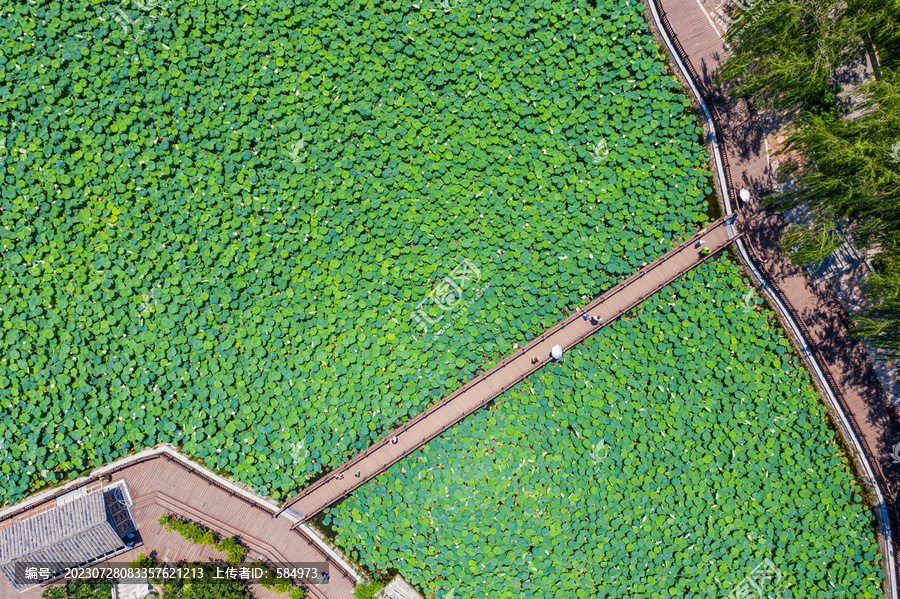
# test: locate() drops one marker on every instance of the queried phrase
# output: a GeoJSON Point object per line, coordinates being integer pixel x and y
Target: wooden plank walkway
{"type": "Point", "coordinates": [160, 485]}
{"type": "Point", "coordinates": [512, 369]}
{"type": "Point", "coordinates": [816, 308]}
{"type": "Point", "coordinates": [163, 485]}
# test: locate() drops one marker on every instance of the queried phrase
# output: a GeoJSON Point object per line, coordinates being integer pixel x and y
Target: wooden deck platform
{"type": "Point", "coordinates": [163, 485]}
{"type": "Point", "coordinates": [160, 485]}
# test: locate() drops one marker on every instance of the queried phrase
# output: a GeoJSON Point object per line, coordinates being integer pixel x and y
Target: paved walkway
{"type": "Point", "coordinates": [742, 148]}
{"type": "Point", "coordinates": [511, 370]}
{"type": "Point", "coordinates": [161, 482]}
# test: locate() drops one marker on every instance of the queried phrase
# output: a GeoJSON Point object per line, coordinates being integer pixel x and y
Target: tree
{"type": "Point", "coordinates": [878, 24]}
{"type": "Point", "coordinates": [79, 589]}
{"type": "Point", "coordinates": [784, 52]}
{"type": "Point", "coordinates": [811, 240]}
{"type": "Point", "coordinates": [367, 591]}
{"type": "Point", "coordinates": [209, 588]}
{"type": "Point", "coordinates": [235, 551]}
{"type": "Point", "coordinates": [881, 323]}
{"type": "Point", "coordinates": [850, 169]}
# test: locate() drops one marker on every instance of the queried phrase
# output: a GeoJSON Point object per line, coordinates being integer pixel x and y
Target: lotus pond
{"type": "Point", "coordinates": [670, 455]}
{"type": "Point", "coordinates": [219, 219]}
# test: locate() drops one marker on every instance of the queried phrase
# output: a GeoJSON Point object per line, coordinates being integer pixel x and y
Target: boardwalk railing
{"type": "Point", "coordinates": [126, 464]}
{"type": "Point", "coordinates": [504, 363]}
{"type": "Point", "coordinates": [211, 481]}
{"type": "Point", "coordinates": [711, 104]}
{"type": "Point", "coordinates": [838, 393]}
{"type": "Point", "coordinates": [719, 144]}
{"type": "Point", "coordinates": [708, 97]}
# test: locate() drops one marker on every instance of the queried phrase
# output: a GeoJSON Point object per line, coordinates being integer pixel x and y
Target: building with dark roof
{"type": "Point", "coordinates": [80, 529]}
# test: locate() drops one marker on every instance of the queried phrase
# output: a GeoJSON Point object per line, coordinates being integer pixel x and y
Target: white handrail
{"type": "Point", "coordinates": [881, 513]}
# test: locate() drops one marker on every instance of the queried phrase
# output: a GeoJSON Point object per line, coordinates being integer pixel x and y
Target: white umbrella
{"type": "Point", "coordinates": [556, 352]}
{"type": "Point", "coordinates": [745, 195]}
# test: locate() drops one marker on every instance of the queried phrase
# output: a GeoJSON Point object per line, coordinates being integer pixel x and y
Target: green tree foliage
{"type": "Point", "coordinates": [194, 533]}
{"type": "Point", "coordinates": [851, 171]}
{"type": "Point", "coordinates": [79, 589]}
{"type": "Point", "coordinates": [785, 53]}
{"type": "Point", "coordinates": [297, 593]}
{"type": "Point", "coordinates": [811, 240]}
{"type": "Point", "coordinates": [54, 592]}
{"type": "Point", "coordinates": [878, 24]}
{"type": "Point", "coordinates": [142, 561]}
{"type": "Point", "coordinates": [235, 552]}
{"type": "Point", "coordinates": [670, 454]}
{"type": "Point", "coordinates": [206, 587]}
{"type": "Point", "coordinates": [881, 322]}
{"type": "Point", "coordinates": [367, 590]}
{"type": "Point", "coordinates": [279, 584]}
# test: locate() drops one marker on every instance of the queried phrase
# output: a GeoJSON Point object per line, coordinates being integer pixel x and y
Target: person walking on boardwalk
{"type": "Point", "coordinates": [706, 251]}
{"type": "Point", "coordinates": [699, 243]}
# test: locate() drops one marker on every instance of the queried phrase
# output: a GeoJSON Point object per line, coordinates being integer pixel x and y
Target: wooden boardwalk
{"type": "Point", "coordinates": [161, 485]}
{"type": "Point", "coordinates": [741, 143]}
{"type": "Point", "coordinates": [512, 369]}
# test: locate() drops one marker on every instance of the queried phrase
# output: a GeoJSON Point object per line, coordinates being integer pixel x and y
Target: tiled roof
{"type": "Point", "coordinates": [74, 532]}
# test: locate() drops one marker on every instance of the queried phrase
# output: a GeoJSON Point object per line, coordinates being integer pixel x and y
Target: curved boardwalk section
{"type": "Point", "coordinates": [739, 142]}
{"type": "Point", "coordinates": [162, 483]}
{"type": "Point", "coordinates": [512, 369]}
